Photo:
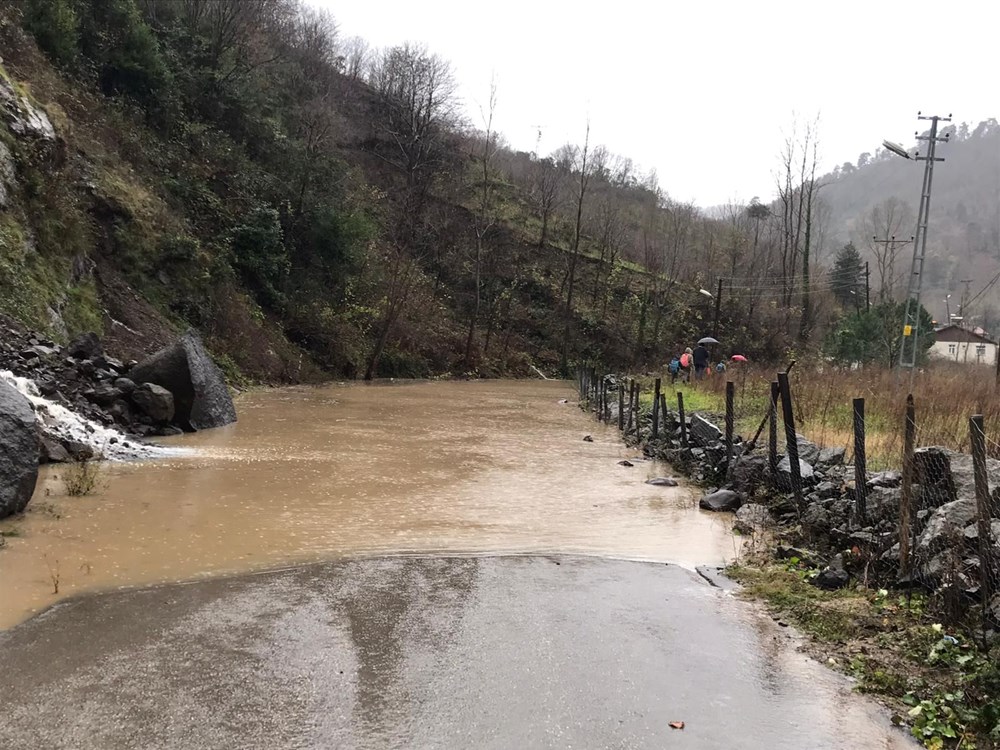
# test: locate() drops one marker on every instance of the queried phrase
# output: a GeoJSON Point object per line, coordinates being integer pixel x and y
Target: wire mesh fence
{"type": "Point", "coordinates": [920, 516]}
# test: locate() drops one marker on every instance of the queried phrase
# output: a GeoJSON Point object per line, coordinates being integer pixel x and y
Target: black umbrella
{"type": "Point", "coordinates": [708, 340]}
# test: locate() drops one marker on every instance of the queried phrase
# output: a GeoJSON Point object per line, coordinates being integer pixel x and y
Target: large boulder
{"type": "Point", "coordinates": [946, 526]}
{"type": "Point", "coordinates": [721, 501]}
{"type": "Point", "coordinates": [85, 346]}
{"type": "Point", "coordinates": [946, 476]}
{"type": "Point", "coordinates": [154, 401]}
{"type": "Point", "coordinates": [703, 432]}
{"type": "Point", "coordinates": [829, 457]}
{"type": "Point", "coordinates": [808, 450]}
{"type": "Point", "coordinates": [201, 398]}
{"type": "Point", "coordinates": [807, 476]}
{"type": "Point", "coordinates": [19, 448]}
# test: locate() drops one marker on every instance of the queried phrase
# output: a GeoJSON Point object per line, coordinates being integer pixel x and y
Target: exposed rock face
{"type": "Point", "coordinates": [22, 117]}
{"type": "Point", "coordinates": [201, 398]}
{"type": "Point", "coordinates": [19, 447]}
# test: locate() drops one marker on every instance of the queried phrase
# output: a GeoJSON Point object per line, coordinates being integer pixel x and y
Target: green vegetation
{"type": "Point", "coordinates": [314, 205]}
{"type": "Point", "coordinates": [944, 684]}
{"type": "Point", "coordinates": [82, 477]}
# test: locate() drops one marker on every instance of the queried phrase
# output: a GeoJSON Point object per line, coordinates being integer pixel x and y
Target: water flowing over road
{"type": "Point", "coordinates": [421, 565]}
{"type": "Point", "coordinates": [318, 473]}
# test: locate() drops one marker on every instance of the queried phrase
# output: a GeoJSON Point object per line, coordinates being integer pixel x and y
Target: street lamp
{"type": "Point", "coordinates": [947, 307]}
{"type": "Point", "coordinates": [706, 293]}
{"type": "Point", "coordinates": [897, 149]}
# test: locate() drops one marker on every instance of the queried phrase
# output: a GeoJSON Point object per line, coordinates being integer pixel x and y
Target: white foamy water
{"type": "Point", "coordinates": [62, 423]}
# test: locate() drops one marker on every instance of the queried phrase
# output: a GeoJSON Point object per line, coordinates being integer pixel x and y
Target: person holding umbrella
{"type": "Point", "coordinates": [702, 359]}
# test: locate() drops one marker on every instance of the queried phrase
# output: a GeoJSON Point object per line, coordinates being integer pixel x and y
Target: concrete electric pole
{"type": "Point", "coordinates": [909, 346]}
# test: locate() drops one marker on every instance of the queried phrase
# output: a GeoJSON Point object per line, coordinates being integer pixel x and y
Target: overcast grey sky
{"type": "Point", "coordinates": [704, 91]}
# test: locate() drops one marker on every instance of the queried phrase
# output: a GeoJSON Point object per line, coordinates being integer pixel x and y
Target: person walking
{"type": "Point", "coordinates": [675, 368]}
{"type": "Point", "coordinates": [702, 360]}
{"type": "Point", "coordinates": [686, 364]}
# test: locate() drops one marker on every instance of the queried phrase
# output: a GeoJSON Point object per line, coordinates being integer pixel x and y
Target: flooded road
{"type": "Point", "coordinates": [483, 652]}
{"type": "Point", "coordinates": [313, 474]}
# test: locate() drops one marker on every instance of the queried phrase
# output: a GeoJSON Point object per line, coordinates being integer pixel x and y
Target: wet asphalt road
{"type": "Point", "coordinates": [489, 652]}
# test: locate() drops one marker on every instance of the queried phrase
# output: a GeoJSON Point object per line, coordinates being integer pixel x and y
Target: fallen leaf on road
{"type": "Point", "coordinates": [677, 725]}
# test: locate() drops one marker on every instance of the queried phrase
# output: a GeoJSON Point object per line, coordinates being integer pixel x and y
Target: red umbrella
{"type": "Point", "coordinates": [738, 358]}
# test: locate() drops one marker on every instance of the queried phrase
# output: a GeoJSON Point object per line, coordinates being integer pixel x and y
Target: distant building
{"type": "Point", "coordinates": [964, 345]}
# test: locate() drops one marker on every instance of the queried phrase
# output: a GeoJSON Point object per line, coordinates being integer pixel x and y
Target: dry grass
{"type": "Point", "coordinates": [945, 397]}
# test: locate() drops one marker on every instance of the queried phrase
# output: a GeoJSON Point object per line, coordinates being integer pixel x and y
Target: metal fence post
{"type": "Point", "coordinates": [977, 436]}
{"type": "Point", "coordinates": [730, 420]}
{"type": "Point", "coordinates": [631, 405]}
{"type": "Point", "coordinates": [791, 440]}
{"type": "Point", "coordinates": [860, 463]}
{"type": "Point", "coordinates": [683, 421]}
{"type": "Point", "coordinates": [621, 404]}
{"type": "Point", "coordinates": [656, 409]}
{"type": "Point", "coordinates": [906, 496]}
{"type": "Point", "coordinates": [772, 434]}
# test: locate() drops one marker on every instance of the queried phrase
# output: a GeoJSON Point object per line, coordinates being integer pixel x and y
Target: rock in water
{"type": "Point", "coordinates": [155, 401]}
{"type": "Point", "coordinates": [201, 398]}
{"type": "Point", "coordinates": [662, 481]}
{"type": "Point", "coordinates": [18, 451]}
{"type": "Point", "coordinates": [721, 501]}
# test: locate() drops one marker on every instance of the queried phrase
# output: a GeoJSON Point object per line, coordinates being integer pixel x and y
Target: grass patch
{"type": "Point", "coordinates": [823, 401]}
{"type": "Point", "coordinates": [943, 682]}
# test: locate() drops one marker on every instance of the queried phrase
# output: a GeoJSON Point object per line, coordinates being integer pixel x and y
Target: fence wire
{"type": "Point", "coordinates": [929, 520]}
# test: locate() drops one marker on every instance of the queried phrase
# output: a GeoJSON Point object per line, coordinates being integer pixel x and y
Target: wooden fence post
{"type": "Point", "coordinates": [621, 405]}
{"type": "Point", "coordinates": [977, 435]}
{"type": "Point", "coordinates": [656, 409]}
{"type": "Point", "coordinates": [906, 496]}
{"type": "Point", "coordinates": [730, 420]}
{"type": "Point", "coordinates": [860, 463]}
{"type": "Point", "coordinates": [663, 410]}
{"type": "Point", "coordinates": [791, 441]}
{"type": "Point", "coordinates": [683, 420]}
{"type": "Point", "coordinates": [631, 405]}
{"type": "Point", "coordinates": [772, 434]}
{"type": "Point", "coordinates": [607, 407]}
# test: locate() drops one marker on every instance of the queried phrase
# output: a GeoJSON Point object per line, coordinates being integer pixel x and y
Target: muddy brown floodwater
{"type": "Point", "coordinates": [351, 470]}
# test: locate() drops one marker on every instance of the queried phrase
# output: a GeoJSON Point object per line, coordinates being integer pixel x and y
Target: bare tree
{"type": "Point", "coordinates": [546, 193]}
{"type": "Point", "coordinates": [485, 214]}
{"type": "Point", "coordinates": [886, 220]}
{"type": "Point", "coordinates": [797, 194]}
{"type": "Point", "coordinates": [584, 171]}
{"type": "Point", "coordinates": [417, 94]}
{"type": "Point", "coordinates": [356, 56]}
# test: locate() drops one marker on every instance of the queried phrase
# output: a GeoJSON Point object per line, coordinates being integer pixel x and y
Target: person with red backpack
{"type": "Point", "coordinates": [686, 362]}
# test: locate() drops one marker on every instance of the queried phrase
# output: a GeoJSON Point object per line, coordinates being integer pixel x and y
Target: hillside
{"type": "Point", "coordinates": [882, 192]}
{"type": "Point", "coordinates": [317, 208]}
{"type": "Point", "coordinates": [217, 164]}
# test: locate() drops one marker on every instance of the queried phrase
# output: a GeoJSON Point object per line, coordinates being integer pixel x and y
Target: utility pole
{"type": "Point", "coordinates": [910, 345]}
{"type": "Point", "coordinates": [718, 303]}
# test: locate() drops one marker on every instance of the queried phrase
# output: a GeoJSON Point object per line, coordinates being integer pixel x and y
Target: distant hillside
{"type": "Point", "coordinates": [880, 194]}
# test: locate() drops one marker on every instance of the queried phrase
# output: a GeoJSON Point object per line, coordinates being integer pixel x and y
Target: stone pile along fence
{"type": "Point", "coordinates": [933, 524]}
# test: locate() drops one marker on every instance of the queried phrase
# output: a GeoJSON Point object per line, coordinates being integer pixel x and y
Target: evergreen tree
{"type": "Point", "coordinates": [848, 270]}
